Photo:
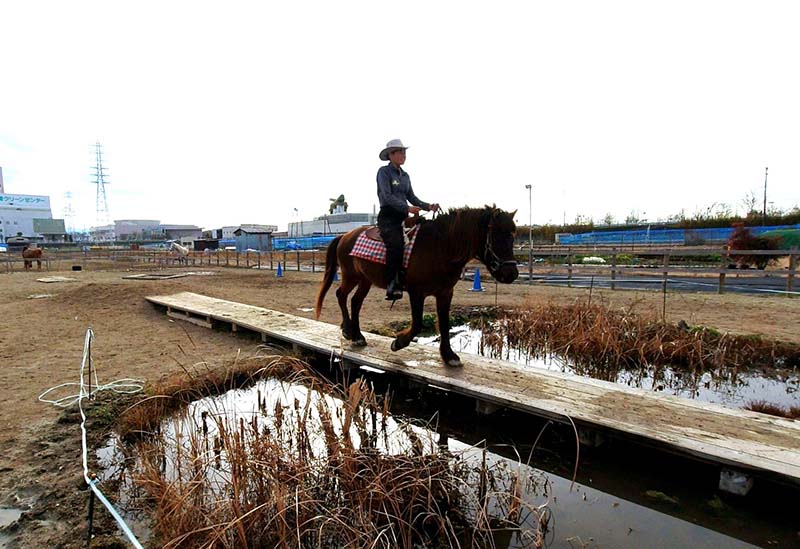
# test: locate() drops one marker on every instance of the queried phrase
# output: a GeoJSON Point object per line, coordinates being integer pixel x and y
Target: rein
{"type": "Point", "coordinates": [490, 257]}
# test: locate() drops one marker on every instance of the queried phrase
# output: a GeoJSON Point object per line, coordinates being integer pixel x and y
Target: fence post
{"type": "Point", "coordinates": [722, 273]}
{"type": "Point", "coordinates": [298, 260]}
{"type": "Point", "coordinates": [270, 260]}
{"type": "Point", "coordinates": [284, 259]}
{"type": "Point", "coordinates": [259, 260]}
{"type": "Point", "coordinates": [569, 269]}
{"type": "Point", "coordinates": [613, 268]}
{"type": "Point", "coordinates": [226, 257]}
{"type": "Point", "coordinates": [313, 261]}
{"type": "Point", "coordinates": [666, 267]}
{"type": "Point", "coordinates": [792, 269]}
{"type": "Point", "coordinates": [247, 259]}
{"type": "Point", "coordinates": [237, 258]}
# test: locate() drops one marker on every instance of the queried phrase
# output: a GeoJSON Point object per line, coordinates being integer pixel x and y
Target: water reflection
{"type": "Point", "coordinates": [576, 515]}
{"type": "Point", "coordinates": [780, 387]}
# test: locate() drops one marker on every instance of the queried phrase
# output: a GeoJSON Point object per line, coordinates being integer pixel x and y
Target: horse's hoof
{"type": "Point", "coordinates": [454, 362]}
{"type": "Point", "coordinates": [396, 346]}
{"type": "Point", "coordinates": [360, 342]}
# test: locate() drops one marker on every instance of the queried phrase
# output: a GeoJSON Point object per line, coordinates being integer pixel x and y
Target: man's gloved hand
{"type": "Point", "coordinates": [434, 207]}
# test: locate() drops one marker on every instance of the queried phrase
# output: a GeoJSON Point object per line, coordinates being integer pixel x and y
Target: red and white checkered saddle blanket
{"type": "Point", "coordinates": [375, 250]}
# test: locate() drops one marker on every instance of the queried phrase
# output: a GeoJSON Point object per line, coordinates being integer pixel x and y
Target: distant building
{"type": "Point", "coordinates": [103, 233]}
{"type": "Point", "coordinates": [18, 213]}
{"type": "Point", "coordinates": [184, 233]}
{"type": "Point", "coordinates": [202, 244]}
{"type": "Point", "coordinates": [51, 230]}
{"type": "Point", "coordinates": [137, 229]}
{"type": "Point", "coordinates": [335, 223]}
{"type": "Point", "coordinates": [254, 237]}
{"type": "Point", "coordinates": [226, 233]}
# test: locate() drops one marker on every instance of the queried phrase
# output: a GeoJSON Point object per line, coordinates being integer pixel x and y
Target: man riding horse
{"type": "Point", "coordinates": [394, 194]}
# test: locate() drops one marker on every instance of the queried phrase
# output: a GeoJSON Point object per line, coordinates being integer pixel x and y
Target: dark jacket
{"type": "Point", "coordinates": [395, 192]}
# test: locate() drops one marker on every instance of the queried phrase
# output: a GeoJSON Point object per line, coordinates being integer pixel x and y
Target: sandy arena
{"type": "Point", "coordinates": [41, 342]}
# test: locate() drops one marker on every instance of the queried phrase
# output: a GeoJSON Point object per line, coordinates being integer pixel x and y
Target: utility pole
{"type": "Point", "coordinates": [530, 234]}
{"type": "Point", "coordinates": [764, 218]}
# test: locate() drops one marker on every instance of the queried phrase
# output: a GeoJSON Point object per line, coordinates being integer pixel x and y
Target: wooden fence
{"type": "Point", "coordinates": [663, 262]}
{"type": "Point", "coordinates": [557, 260]}
{"type": "Point", "coordinates": [311, 260]}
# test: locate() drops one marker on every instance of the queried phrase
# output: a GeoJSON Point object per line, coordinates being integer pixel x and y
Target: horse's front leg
{"type": "Point", "coordinates": [443, 300]}
{"type": "Point", "coordinates": [404, 337]}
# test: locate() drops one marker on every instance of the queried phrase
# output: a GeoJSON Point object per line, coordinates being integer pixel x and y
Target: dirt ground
{"type": "Point", "coordinates": [41, 342]}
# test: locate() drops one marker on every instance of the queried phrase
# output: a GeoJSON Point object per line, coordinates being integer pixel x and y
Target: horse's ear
{"type": "Point", "coordinates": [514, 213]}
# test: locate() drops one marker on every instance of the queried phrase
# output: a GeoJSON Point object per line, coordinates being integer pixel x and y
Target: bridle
{"type": "Point", "coordinates": [490, 257]}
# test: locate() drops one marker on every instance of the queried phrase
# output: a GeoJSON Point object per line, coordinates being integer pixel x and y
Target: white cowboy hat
{"type": "Point", "coordinates": [392, 145]}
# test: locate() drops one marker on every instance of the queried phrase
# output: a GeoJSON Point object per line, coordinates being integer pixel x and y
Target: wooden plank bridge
{"type": "Point", "coordinates": [738, 440]}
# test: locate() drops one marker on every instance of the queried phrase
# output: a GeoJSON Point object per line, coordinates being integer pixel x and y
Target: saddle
{"type": "Point", "coordinates": [373, 233]}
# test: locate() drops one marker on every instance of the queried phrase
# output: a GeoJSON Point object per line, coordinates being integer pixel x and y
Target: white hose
{"type": "Point", "coordinates": [122, 386]}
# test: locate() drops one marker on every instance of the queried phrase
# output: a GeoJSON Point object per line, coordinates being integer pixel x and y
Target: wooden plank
{"type": "Point", "coordinates": [190, 319]}
{"type": "Point", "coordinates": [745, 440]}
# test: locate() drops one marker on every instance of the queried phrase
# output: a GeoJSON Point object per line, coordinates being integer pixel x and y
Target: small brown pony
{"type": "Point", "coordinates": [442, 249]}
{"type": "Point", "coordinates": [29, 255]}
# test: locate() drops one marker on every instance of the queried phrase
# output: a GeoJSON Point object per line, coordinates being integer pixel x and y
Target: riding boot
{"type": "Point", "coordinates": [394, 290]}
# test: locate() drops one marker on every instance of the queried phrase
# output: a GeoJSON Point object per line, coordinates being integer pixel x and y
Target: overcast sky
{"type": "Point", "coordinates": [239, 112]}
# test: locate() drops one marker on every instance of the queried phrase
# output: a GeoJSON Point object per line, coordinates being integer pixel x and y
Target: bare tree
{"type": "Point", "coordinates": [750, 202]}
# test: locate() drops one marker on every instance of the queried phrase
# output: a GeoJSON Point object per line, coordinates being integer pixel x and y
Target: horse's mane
{"type": "Point", "coordinates": [459, 231]}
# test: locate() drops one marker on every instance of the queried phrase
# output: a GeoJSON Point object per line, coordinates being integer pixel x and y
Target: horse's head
{"type": "Point", "coordinates": [498, 251]}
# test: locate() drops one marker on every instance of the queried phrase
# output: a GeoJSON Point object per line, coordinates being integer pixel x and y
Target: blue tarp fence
{"type": "Point", "coordinates": [302, 243]}
{"type": "Point", "coordinates": [663, 236]}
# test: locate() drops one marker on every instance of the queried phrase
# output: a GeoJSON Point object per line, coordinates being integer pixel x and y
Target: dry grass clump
{"type": "Point", "coordinates": [601, 342]}
{"type": "Point", "coordinates": [318, 466]}
{"type": "Point", "coordinates": [791, 412]}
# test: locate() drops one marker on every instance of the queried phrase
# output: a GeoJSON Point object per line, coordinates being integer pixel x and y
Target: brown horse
{"type": "Point", "coordinates": [442, 249]}
{"type": "Point", "coordinates": [29, 255]}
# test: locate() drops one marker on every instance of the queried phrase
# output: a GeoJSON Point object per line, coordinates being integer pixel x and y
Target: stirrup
{"type": "Point", "coordinates": [394, 296]}
{"type": "Point", "coordinates": [394, 290]}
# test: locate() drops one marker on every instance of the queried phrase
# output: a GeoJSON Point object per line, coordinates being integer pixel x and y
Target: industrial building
{"type": "Point", "coordinates": [145, 229]}
{"type": "Point", "coordinates": [338, 222]}
{"type": "Point", "coordinates": [29, 216]}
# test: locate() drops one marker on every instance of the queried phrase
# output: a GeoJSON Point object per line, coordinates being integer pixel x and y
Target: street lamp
{"type": "Point", "coordinates": [530, 235]}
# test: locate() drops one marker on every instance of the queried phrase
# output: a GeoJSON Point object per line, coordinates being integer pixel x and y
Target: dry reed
{"type": "Point", "coordinates": [328, 469]}
{"type": "Point", "coordinates": [601, 342]}
{"type": "Point", "coordinates": [791, 412]}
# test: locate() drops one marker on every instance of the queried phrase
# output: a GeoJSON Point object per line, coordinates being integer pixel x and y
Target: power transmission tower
{"type": "Point", "coordinates": [100, 180]}
{"type": "Point", "coordinates": [69, 212]}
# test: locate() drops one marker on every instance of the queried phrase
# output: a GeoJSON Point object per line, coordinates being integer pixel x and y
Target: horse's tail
{"type": "Point", "coordinates": [331, 264]}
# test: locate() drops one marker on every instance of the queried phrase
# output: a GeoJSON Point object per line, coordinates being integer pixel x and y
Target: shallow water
{"type": "Point", "coordinates": [9, 515]}
{"type": "Point", "coordinates": [782, 388]}
{"type": "Point", "coordinates": [579, 514]}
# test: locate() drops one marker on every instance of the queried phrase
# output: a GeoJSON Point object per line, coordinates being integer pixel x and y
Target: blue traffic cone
{"type": "Point", "coordinates": [279, 274]}
{"type": "Point", "coordinates": [336, 276]}
{"type": "Point", "coordinates": [476, 281]}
